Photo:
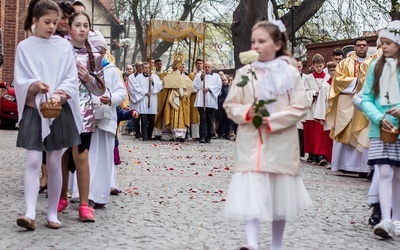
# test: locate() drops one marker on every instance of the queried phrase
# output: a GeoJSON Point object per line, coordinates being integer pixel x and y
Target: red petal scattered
{"type": "Point", "coordinates": [223, 200]}
{"type": "Point", "coordinates": [193, 163]}
{"type": "Point", "coordinates": [210, 174]}
{"type": "Point", "coordinates": [208, 191]}
{"type": "Point", "coordinates": [215, 201]}
{"type": "Point", "coordinates": [196, 173]}
{"type": "Point", "coordinates": [227, 168]}
{"type": "Point", "coordinates": [170, 168]}
{"type": "Point", "coordinates": [219, 190]}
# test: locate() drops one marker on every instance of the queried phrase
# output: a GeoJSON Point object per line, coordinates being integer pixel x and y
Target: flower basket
{"type": "Point", "coordinates": [50, 108]}
{"type": "Point", "coordinates": [388, 136]}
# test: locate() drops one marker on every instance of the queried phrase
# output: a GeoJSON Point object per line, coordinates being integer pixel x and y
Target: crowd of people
{"type": "Point", "coordinates": [336, 116]}
{"type": "Point", "coordinates": [77, 151]}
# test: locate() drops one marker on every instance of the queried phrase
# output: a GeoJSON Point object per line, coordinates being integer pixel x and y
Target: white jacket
{"type": "Point", "coordinates": [115, 86]}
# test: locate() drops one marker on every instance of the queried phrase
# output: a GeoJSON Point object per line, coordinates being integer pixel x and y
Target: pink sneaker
{"type": "Point", "coordinates": [62, 205]}
{"type": "Point", "coordinates": [86, 213]}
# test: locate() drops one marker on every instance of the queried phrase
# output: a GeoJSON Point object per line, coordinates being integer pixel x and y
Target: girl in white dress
{"type": "Point", "coordinates": [267, 183]}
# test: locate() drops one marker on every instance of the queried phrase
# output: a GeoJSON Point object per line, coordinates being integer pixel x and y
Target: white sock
{"type": "Point", "coordinates": [373, 193]}
{"type": "Point", "coordinates": [252, 227]}
{"type": "Point", "coordinates": [396, 197]}
{"type": "Point", "coordinates": [54, 183]}
{"type": "Point", "coordinates": [385, 190]}
{"type": "Point", "coordinates": [278, 227]}
{"type": "Point", "coordinates": [31, 181]}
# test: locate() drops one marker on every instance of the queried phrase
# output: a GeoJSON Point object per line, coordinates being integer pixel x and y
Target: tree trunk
{"type": "Point", "coordinates": [248, 12]}
{"type": "Point", "coordinates": [395, 11]}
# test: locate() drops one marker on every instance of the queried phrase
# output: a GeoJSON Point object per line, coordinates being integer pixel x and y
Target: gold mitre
{"type": "Point", "coordinates": [178, 59]}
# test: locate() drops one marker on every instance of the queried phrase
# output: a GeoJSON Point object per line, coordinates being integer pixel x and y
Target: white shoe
{"type": "Point", "coordinates": [396, 225]}
{"type": "Point", "coordinates": [384, 229]}
{"type": "Point", "coordinates": [328, 166]}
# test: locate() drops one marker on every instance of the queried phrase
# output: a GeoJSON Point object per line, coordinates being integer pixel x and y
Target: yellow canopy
{"type": "Point", "coordinates": [174, 30]}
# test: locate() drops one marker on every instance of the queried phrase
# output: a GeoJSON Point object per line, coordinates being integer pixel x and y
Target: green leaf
{"type": "Point", "coordinates": [261, 103]}
{"type": "Point", "coordinates": [264, 112]}
{"type": "Point", "coordinates": [257, 121]}
{"type": "Point", "coordinates": [243, 82]}
{"type": "Point", "coordinates": [270, 101]}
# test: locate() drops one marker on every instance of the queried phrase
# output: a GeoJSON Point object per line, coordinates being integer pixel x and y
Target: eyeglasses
{"type": "Point", "coordinates": [361, 45]}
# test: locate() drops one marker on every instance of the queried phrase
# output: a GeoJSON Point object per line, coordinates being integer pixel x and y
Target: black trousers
{"type": "Point", "coordinates": [206, 122]}
{"type": "Point", "coordinates": [301, 142]}
{"type": "Point", "coordinates": [147, 122]}
{"type": "Point", "coordinates": [136, 127]}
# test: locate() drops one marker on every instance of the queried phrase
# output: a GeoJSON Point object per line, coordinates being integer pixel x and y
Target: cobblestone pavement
{"type": "Point", "coordinates": [173, 198]}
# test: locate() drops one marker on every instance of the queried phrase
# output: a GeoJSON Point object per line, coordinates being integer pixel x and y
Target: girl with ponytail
{"type": "Point", "coordinates": [37, 74]}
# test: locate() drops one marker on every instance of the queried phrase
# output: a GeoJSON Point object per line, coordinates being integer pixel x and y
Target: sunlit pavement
{"type": "Point", "coordinates": [173, 198]}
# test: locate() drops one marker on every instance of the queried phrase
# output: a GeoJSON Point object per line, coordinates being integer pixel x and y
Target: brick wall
{"type": "Point", "coordinates": [325, 49]}
{"type": "Point", "coordinates": [2, 8]}
{"type": "Point", "coordinates": [12, 15]}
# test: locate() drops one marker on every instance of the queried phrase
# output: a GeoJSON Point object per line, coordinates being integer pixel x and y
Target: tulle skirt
{"type": "Point", "coordinates": [266, 196]}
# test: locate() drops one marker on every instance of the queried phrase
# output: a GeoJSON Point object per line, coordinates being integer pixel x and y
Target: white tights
{"type": "Point", "coordinates": [252, 228]}
{"type": "Point", "coordinates": [389, 184]}
{"type": "Point", "coordinates": [32, 171]}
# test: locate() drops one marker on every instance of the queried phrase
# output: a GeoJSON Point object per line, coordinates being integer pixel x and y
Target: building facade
{"type": "Point", "coordinates": [12, 16]}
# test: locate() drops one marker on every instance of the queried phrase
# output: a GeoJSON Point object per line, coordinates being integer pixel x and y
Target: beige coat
{"type": "Point", "coordinates": [279, 151]}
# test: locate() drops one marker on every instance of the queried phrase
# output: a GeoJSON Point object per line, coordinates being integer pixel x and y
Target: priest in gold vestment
{"type": "Point", "coordinates": [161, 97]}
{"type": "Point", "coordinates": [175, 109]}
{"type": "Point", "coordinates": [347, 156]}
{"type": "Point", "coordinates": [194, 113]}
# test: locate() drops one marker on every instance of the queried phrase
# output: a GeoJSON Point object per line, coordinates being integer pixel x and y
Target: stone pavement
{"type": "Point", "coordinates": [173, 198]}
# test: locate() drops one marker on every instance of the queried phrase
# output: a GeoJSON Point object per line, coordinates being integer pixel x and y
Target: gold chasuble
{"type": "Point", "coordinates": [161, 97]}
{"type": "Point", "coordinates": [341, 111]}
{"type": "Point", "coordinates": [360, 127]}
{"type": "Point", "coordinates": [194, 113]}
{"type": "Point", "coordinates": [175, 112]}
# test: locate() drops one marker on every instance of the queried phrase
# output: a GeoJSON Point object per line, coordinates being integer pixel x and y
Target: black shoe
{"type": "Point", "coordinates": [208, 141]}
{"type": "Point", "coordinates": [42, 188]}
{"type": "Point", "coordinates": [363, 175]}
{"type": "Point", "coordinates": [371, 175]}
{"type": "Point", "coordinates": [145, 139]}
{"type": "Point", "coordinates": [157, 137]}
{"type": "Point", "coordinates": [322, 161]}
{"type": "Point", "coordinates": [138, 136]}
{"type": "Point", "coordinates": [180, 139]}
{"type": "Point", "coordinates": [310, 158]}
{"type": "Point", "coordinates": [376, 214]}
{"type": "Point", "coordinates": [202, 141]}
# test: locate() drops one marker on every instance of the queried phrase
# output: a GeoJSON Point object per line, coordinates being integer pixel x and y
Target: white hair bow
{"type": "Point", "coordinates": [279, 24]}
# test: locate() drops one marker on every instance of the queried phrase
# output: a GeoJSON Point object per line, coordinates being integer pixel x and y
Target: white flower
{"type": "Point", "coordinates": [125, 41]}
{"type": "Point", "coordinates": [248, 56]}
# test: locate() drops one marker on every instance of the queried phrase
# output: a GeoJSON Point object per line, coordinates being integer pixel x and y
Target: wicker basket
{"type": "Point", "coordinates": [50, 108]}
{"type": "Point", "coordinates": [388, 136]}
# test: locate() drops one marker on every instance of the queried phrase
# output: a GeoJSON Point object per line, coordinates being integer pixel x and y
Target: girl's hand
{"type": "Point", "coordinates": [83, 74]}
{"type": "Point", "coordinates": [42, 87]}
{"type": "Point", "coordinates": [105, 100]}
{"type": "Point", "coordinates": [134, 113]}
{"type": "Point", "coordinates": [394, 112]}
{"type": "Point", "coordinates": [386, 124]}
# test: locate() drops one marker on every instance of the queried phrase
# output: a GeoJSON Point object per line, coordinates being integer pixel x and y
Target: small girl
{"type": "Point", "coordinates": [381, 104]}
{"type": "Point", "coordinates": [45, 65]}
{"type": "Point", "coordinates": [267, 183]}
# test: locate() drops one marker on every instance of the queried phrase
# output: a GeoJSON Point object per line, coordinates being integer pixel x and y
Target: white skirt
{"type": "Point", "coordinates": [266, 196]}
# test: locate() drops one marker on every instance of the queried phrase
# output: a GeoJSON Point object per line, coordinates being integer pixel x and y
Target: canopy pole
{"type": "Point", "coordinates": [204, 63]}
{"type": "Point", "coordinates": [151, 68]}
{"type": "Point", "coordinates": [194, 53]}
